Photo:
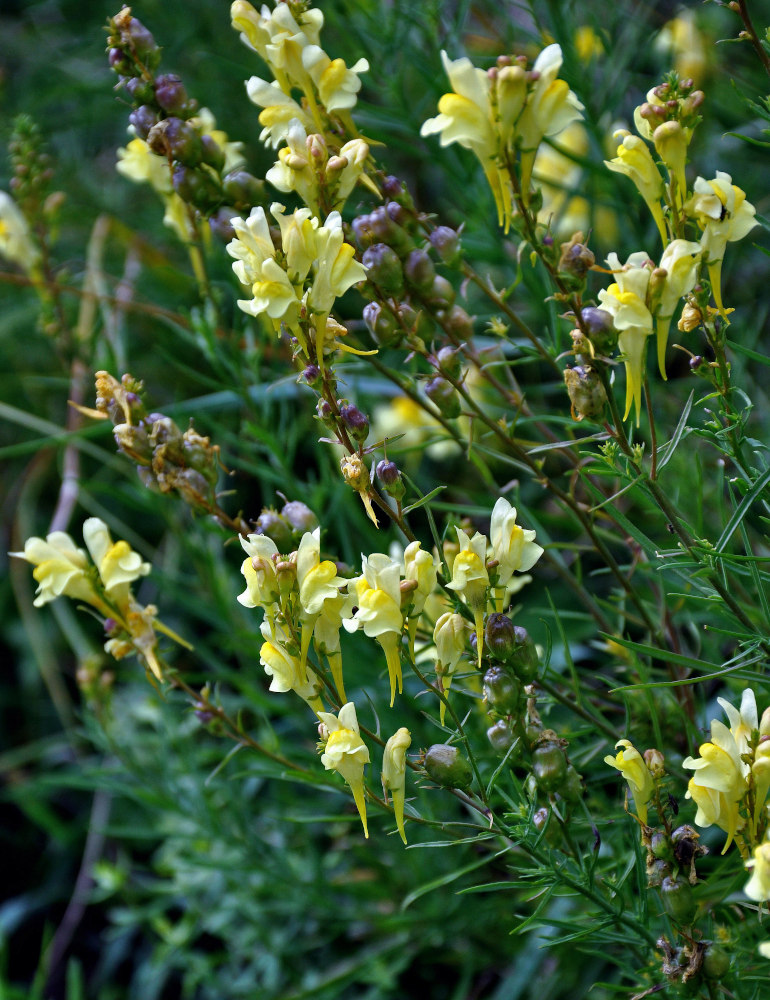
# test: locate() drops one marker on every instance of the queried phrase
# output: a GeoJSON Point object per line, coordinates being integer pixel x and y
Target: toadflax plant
{"type": "Point", "coordinates": [517, 544]}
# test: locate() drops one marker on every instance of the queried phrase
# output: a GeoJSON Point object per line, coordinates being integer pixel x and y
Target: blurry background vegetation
{"type": "Point", "coordinates": [215, 884]}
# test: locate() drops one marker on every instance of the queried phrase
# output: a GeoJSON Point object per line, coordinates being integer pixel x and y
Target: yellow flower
{"type": "Point", "coordinates": [337, 85]}
{"type": "Point", "coordinates": [632, 766]}
{"type": "Point", "coordinates": [378, 596]}
{"type": "Point", "coordinates": [513, 547]}
{"type": "Point", "coordinates": [346, 753]}
{"type": "Point", "coordinates": [680, 261]}
{"type": "Point", "coordinates": [61, 568]}
{"type": "Point", "coordinates": [471, 580]}
{"type": "Point", "coordinates": [633, 159]}
{"type": "Point", "coordinates": [16, 243]}
{"type": "Point", "coordinates": [721, 210]}
{"type": "Point", "coordinates": [449, 635]}
{"type": "Point", "coordinates": [625, 300]}
{"type": "Point", "coordinates": [336, 270]}
{"type": "Point", "coordinates": [758, 886]}
{"type": "Point", "coordinates": [117, 563]}
{"type": "Point", "coordinates": [318, 585]}
{"type": "Point", "coordinates": [394, 773]}
{"type": "Point", "coordinates": [293, 170]}
{"type": "Point", "coordinates": [719, 784]}
{"type": "Point", "coordinates": [420, 567]}
{"type": "Point", "coordinates": [262, 589]}
{"type": "Point", "coordinates": [287, 674]}
{"type": "Point", "coordinates": [278, 111]}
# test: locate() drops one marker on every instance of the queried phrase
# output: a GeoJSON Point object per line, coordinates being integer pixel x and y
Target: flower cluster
{"type": "Point", "coordinates": [103, 582]}
{"type": "Point", "coordinates": [503, 114]}
{"type": "Point", "coordinates": [732, 774]}
{"type": "Point", "coordinates": [295, 283]}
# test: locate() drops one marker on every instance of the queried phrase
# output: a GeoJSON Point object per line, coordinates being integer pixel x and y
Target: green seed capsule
{"type": "Point", "coordinates": [678, 900]}
{"type": "Point", "coordinates": [549, 766]}
{"type": "Point", "coordinates": [447, 767]}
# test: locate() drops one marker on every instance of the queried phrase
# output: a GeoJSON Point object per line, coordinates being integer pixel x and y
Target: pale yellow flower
{"type": "Point", "coordinates": [378, 596]}
{"type": "Point", "coordinates": [336, 84]}
{"type": "Point", "coordinates": [633, 160]}
{"type": "Point", "coordinates": [470, 579]}
{"type": "Point", "coordinates": [450, 636]}
{"type": "Point", "coordinates": [346, 753]}
{"type": "Point", "coordinates": [681, 38]}
{"type": "Point", "coordinates": [262, 590]}
{"type": "Point", "coordinates": [278, 111]}
{"type": "Point", "coordinates": [16, 243]}
{"type": "Point", "coordinates": [758, 886]}
{"type": "Point", "coordinates": [723, 213]}
{"type": "Point", "coordinates": [719, 783]}
{"type": "Point", "coordinates": [318, 584]}
{"type": "Point", "coordinates": [626, 301]}
{"type": "Point", "coordinates": [421, 568]}
{"type": "Point", "coordinates": [394, 773]}
{"type": "Point", "coordinates": [632, 766]}
{"type": "Point", "coordinates": [513, 547]}
{"type": "Point", "coordinates": [681, 262]}
{"type": "Point", "coordinates": [287, 675]}
{"type": "Point", "coordinates": [61, 568]}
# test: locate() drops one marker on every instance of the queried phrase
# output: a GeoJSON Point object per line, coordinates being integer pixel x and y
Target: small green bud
{"type": "Point", "coordinates": [600, 328]}
{"type": "Point", "coordinates": [444, 396]}
{"type": "Point", "coordinates": [446, 766]}
{"type": "Point", "coordinates": [441, 294]}
{"type": "Point", "coordinates": [449, 361]}
{"type": "Point", "coordinates": [549, 766]}
{"type": "Point", "coordinates": [446, 243]}
{"type": "Point", "coordinates": [502, 692]}
{"type": "Point", "coordinates": [716, 962]}
{"type": "Point", "coordinates": [660, 846]}
{"type": "Point", "coordinates": [213, 154]}
{"type": "Point", "coordinates": [383, 268]}
{"type": "Point", "coordinates": [242, 189]}
{"type": "Point", "coordinates": [196, 187]}
{"type": "Point", "coordinates": [419, 271]}
{"type": "Point", "coordinates": [382, 325]}
{"type": "Point", "coordinates": [678, 901]}
{"type": "Point", "coordinates": [458, 323]}
{"type": "Point", "coordinates": [502, 735]}
{"type": "Point", "coordinates": [572, 788]}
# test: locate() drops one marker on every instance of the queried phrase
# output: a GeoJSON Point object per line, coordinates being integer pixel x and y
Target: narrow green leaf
{"type": "Point", "coordinates": [449, 877]}
{"type": "Point", "coordinates": [423, 500]}
{"type": "Point", "coordinates": [742, 509]}
{"type": "Point", "coordinates": [667, 450]}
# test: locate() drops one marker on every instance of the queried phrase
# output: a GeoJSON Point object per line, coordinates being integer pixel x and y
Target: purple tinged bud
{"type": "Point", "coordinates": [271, 523]}
{"type": "Point", "coordinates": [419, 271]}
{"type": "Point", "coordinates": [356, 422]}
{"type": "Point", "coordinates": [396, 190]}
{"type": "Point", "coordinates": [458, 323]}
{"type": "Point", "coordinates": [221, 226]}
{"type": "Point", "coordinates": [140, 90]}
{"type": "Point", "coordinates": [143, 118]}
{"type": "Point", "coordinates": [300, 516]}
{"type": "Point", "coordinates": [441, 294]}
{"type": "Point", "coordinates": [176, 138]}
{"type": "Point", "coordinates": [119, 62]}
{"type": "Point", "coordinates": [502, 692]}
{"type": "Point", "coordinates": [446, 243]}
{"type": "Point", "coordinates": [390, 478]}
{"type": "Point", "coordinates": [243, 189]}
{"type": "Point", "coordinates": [197, 188]}
{"type": "Point", "coordinates": [311, 374]}
{"type": "Point", "coordinates": [449, 361]}
{"type": "Point", "coordinates": [170, 94]}
{"type": "Point", "coordinates": [213, 154]}
{"type": "Point", "coordinates": [363, 232]}
{"type": "Point", "coordinates": [398, 213]}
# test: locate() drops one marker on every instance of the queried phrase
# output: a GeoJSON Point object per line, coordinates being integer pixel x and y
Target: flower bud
{"type": "Point", "coordinates": [678, 901]}
{"type": "Point", "coordinates": [446, 243]}
{"type": "Point", "coordinates": [660, 846]}
{"type": "Point", "coordinates": [163, 430]}
{"type": "Point", "coordinates": [385, 230]}
{"type": "Point", "coordinates": [419, 271]}
{"type": "Point", "coordinates": [363, 232]}
{"type": "Point", "coordinates": [140, 90]}
{"type": "Point", "coordinates": [213, 154]}
{"type": "Point", "coordinates": [446, 766]}
{"type": "Point", "coordinates": [586, 392]}
{"type": "Point", "coordinates": [396, 190]}
{"type": "Point", "coordinates": [196, 187]}
{"type": "Point", "coordinates": [271, 523]}
{"type": "Point", "coordinates": [418, 323]}
{"type": "Point", "coordinates": [716, 962]}
{"type": "Point", "coordinates": [170, 94]}
{"type": "Point", "coordinates": [601, 331]}
{"type": "Point", "coordinates": [449, 361]}
{"type": "Point", "coordinates": [444, 397]}
{"type": "Point", "coordinates": [384, 268]}
{"type": "Point", "coordinates": [441, 294]}
{"type": "Point", "coordinates": [311, 375]}
{"type": "Point", "coordinates": [502, 693]}
{"type": "Point", "coordinates": [142, 42]}
{"type": "Point", "coordinates": [120, 62]}
{"type": "Point", "coordinates": [174, 137]}
{"type": "Point", "coordinates": [458, 323]}
{"type": "Point", "coordinates": [243, 189]}
{"type": "Point", "coordinates": [382, 325]}
{"type": "Point", "coordinates": [143, 118]}
{"type": "Point", "coordinates": [300, 517]}
{"type": "Point", "coordinates": [221, 225]}
{"type": "Point", "coordinates": [576, 259]}
{"type": "Point", "coordinates": [390, 478]}
{"type": "Point", "coordinates": [189, 484]}
{"type": "Point", "coordinates": [499, 636]}
{"type": "Point", "coordinates": [502, 735]}
{"type": "Point", "coordinates": [356, 423]}
{"type": "Point", "coordinates": [549, 766]}
{"type": "Point", "coordinates": [656, 762]}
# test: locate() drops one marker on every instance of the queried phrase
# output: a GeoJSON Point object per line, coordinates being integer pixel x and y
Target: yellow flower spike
{"type": "Point", "coordinates": [394, 773]}
{"type": "Point", "coordinates": [346, 753]}
{"type": "Point", "coordinates": [633, 767]}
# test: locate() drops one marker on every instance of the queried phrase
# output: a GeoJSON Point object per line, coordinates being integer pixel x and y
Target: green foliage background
{"type": "Point", "coordinates": [218, 880]}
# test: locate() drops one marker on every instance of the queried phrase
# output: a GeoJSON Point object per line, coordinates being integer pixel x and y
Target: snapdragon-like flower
{"type": "Point", "coordinates": [394, 773]}
{"type": "Point", "coordinates": [634, 160]}
{"type": "Point", "coordinates": [470, 579]}
{"type": "Point", "coordinates": [16, 243]}
{"type": "Point", "coordinates": [450, 636]}
{"type": "Point", "coordinates": [319, 586]}
{"type": "Point", "coordinates": [421, 568]}
{"type": "Point", "coordinates": [378, 596]}
{"type": "Point", "coordinates": [758, 886]}
{"type": "Point", "coordinates": [259, 569]}
{"type": "Point", "coordinates": [285, 670]}
{"type": "Point", "coordinates": [633, 767]}
{"type": "Point", "coordinates": [731, 769]}
{"type": "Point", "coordinates": [345, 752]}
{"type": "Point", "coordinates": [513, 547]}
{"type": "Point", "coordinates": [104, 582]}
{"type": "Point", "coordinates": [681, 262]}
{"type": "Point", "coordinates": [723, 213]}
{"type": "Point", "coordinates": [495, 113]}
